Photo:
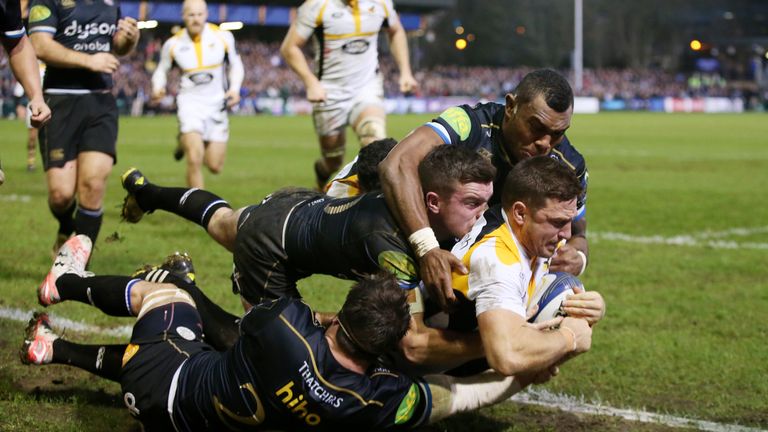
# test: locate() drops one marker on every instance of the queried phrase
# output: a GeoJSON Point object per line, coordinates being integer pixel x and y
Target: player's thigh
{"type": "Point", "coordinates": [62, 182]}
{"type": "Point", "coordinates": [60, 138]}
{"type": "Point", "coordinates": [93, 169]}
{"type": "Point", "coordinates": [331, 117]}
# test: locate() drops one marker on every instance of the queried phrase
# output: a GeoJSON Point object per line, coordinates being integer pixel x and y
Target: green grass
{"type": "Point", "coordinates": [685, 332]}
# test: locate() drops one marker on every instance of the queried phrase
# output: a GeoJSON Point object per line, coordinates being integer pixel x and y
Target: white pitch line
{"type": "Point", "coordinates": [542, 397]}
{"type": "Point", "coordinates": [62, 323]}
{"type": "Point", "coordinates": [703, 239]}
{"type": "Point", "coordinates": [531, 396]}
{"type": "Point", "coordinates": [16, 198]}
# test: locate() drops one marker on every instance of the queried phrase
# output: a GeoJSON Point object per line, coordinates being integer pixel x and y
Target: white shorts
{"type": "Point", "coordinates": [341, 108]}
{"type": "Point", "coordinates": [207, 119]}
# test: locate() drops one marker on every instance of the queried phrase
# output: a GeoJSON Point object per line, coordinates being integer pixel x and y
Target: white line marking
{"type": "Point", "coordinates": [710, 239]}
{"type": "Point", "coordinates": [61, 323]}
{"type": "Point", "coordinates": [16, 198]}
{"type": "Point", "coordinates": [541, 397]}
{"type": "Point", "coordinates": [531, 396]}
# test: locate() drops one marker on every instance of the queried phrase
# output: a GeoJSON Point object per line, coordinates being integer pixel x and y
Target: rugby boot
{"type": "Point", "coordinates": [72, 258]}
{"type": "Point", "coordinates": [177, 264]}
{"type": "Point", "coordinates": [2, 174]}
{"type": "Point", "coordinates": [133, 180]}
{"type": "Point", "coordinates": [37, 347]}
{"type": "Point", "coordinates": [61, 238]}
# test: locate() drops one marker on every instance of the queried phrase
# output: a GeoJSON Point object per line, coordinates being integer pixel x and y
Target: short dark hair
{"type": "Point", "coordinates": [368, 163]}
{"type": "Point", "coordinates": [551, 85]}
{"type": "Point", "coordinates": [374, 317]}
{"type": "Point", "coordinates": [536, 179]}
{"type": "Point", "coordinates": [449, 164]}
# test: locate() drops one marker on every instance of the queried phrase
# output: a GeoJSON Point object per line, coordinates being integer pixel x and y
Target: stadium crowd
{"type": "Point", "coordinates": [266, 75]}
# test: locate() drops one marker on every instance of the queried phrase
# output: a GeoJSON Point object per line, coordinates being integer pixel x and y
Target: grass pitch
{"type": "Point", "coordinates": [678, 226]}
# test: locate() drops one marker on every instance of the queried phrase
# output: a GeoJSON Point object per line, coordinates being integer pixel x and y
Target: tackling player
{"type": "Point", "coordinates": [200, 50]}
{"type": "Point", "coordinates": [285, 371]}
{"type": "Point", "coordinates": [78, 42]}
{"type": "Point", "coordinates": [296, 233]}
{"type": "Point", "coordinates": [346, 88]}
{"type": "Point", "coordinates": [532, 122]}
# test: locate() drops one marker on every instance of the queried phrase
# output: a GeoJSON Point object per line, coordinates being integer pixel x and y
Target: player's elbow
{"type": "Point", "coordinates": [507, 363]}
{"type": "Point", "coordinates": [415, 347]}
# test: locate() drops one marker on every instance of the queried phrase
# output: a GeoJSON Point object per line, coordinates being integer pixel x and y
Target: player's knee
{"type": "Point", "coordinates": [60, 199]}
{"type": "Point", "coordinates": [370, 129]}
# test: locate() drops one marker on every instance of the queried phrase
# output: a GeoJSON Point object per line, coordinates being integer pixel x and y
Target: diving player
{"type": "Point", "coordinates": [201, 50]}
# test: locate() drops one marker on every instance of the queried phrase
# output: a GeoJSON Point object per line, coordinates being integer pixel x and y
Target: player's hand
{"type": "Point", "coordinates": [128, 29]}
{"type": "Point", "coordinates": [103, 62]}
{"type": "Point", "coordinates": [436, 266]}
{"type": "Point", "coordinates": [566, 260]}
{"type": "Point", "coordinates": [232, 98]}
{"type": "Point", "coordinates": [316, 93]}
{"type": "Point", "coordinates": [585, 304]}
{"type": "Point", "coordinates": [407, 83]}
{"type": "Point", "coordinates": [39, 112]}
{"type": "Point", "coordinates": [582, 333]}
{"type": "Point", "coordinates": [157, 97]}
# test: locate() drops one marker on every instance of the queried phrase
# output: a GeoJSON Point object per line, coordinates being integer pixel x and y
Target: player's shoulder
{"type": "Point", "coordinates": [569, 156]}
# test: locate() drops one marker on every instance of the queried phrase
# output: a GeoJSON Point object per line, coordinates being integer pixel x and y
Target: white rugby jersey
{"type": "Point", "coordinates": [501, 275]}
{"type": "Point", "coordinates": [346, 43]}
{"type": "Point", "coordinates": [202, 63]}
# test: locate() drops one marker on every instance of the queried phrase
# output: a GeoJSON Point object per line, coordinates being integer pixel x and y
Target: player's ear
{"type": "Point", "coordinates": [432, 201]}
{"type": "Point", "coordinates": [510, 107]}
{"type": "Point", "coordinates": [518, 212]}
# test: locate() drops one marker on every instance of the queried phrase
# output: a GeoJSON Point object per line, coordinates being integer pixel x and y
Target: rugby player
{"type": "Point", "coordinates": [78, 42]}
{"type": "Point", "coordinates": [200, 50]}
{"type": "Point", "coordinates": [23, 62]}
{"type": "Point", "coordinates": [507, 254]}
{"type": "Point", "coordinates": [532, 122]}
{"type": "Point", "coordinates": [285, 371]}
{"type": "Point", "coordinates": [346, 87]}
{"type": "Point", "coordinates": [362, 173]}
{"type": "Point", "coordinates": [296, 233]}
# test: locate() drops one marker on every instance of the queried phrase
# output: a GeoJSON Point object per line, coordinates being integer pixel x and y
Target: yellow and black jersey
{"type": "Point", "coordinates": [479, 128]}
{"type": "Point", "coordinates": [282, 375]}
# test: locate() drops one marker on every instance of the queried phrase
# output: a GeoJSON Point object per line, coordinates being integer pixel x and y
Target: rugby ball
{"type": "Point", "coordinates": [550, 294]}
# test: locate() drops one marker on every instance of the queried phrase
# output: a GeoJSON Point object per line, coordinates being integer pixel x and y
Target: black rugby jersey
{"type": "Point", "coordinates": [11, 25]}
{"type": "Point", "coordinates": [84, 26]}
{"type": "Point", "coordinates": [479, 128]}
{"type": "Point", "coordinates": [282, 375]}
{"type": "Point", "coordinates": [349, 238]}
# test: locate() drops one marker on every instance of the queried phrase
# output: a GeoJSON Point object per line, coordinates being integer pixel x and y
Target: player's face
{"type": "Point", "coordinates": [195, 14]}
{"type": "Point", "coordinates": [460, 211]}
{"type": "Point", "coordinates": [533, 129]}
{"type": "Point", "coordinates": [545, 227]}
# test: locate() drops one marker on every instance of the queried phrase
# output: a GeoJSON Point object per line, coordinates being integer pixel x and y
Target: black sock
{"type": "Point", "coordinates": [65, 218]}
{"type": "Point", "coordinates": [195, 205]}
{"type": "Point", "coordinates": [88, 222]}
{"type": "Point", "coordinates": [108, 293]}
{"type": "Point", "coordinates": [105, 361]}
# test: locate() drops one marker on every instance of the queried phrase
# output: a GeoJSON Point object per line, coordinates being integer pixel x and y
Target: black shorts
{"type": "Point", "coordinates": [261, 269]}
{"type": "Point", "coordinates": [166, 336]}
{"type": "Point", "coordinates": [79, 123]}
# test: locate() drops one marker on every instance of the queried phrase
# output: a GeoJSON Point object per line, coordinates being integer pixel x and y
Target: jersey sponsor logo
{"type": "Point", "coordinates": [200, 78]}
{"type": "Point", "coordinates": [398, 263]}
{"type": "Point", "coordinates": [92, 46]}
{"type": "Point", "coordinates": [408, 405]}
{"type": "Point", "coordinates": [337, 14]}
{"type": "Point", "coordinates": [458, 119]}
{"type": "Point", "coordinates": [314, 387]}
{"type": "Point", "coordinates": [357, 46]}
{"type": "Point", "coordinates": [130, 351]}
{"type": "Point", "coordinates": [39, 13]}
{"type": "Point", "coordinates": [254, 419]}
{"type": "Point", "coordinates": [297, 405]}
{"type": "Point", "coordinates": [90, 29]}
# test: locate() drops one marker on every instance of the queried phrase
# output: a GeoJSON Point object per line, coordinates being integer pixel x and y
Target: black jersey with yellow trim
{"type": "Point", "coordinates": [349, 238]}
{"type": "Point", "coordinates": [281, 374]}
{"type": "Point", "coordinates": [479, 128]}
{"type": "Point", "coordinates": [83, 26]}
